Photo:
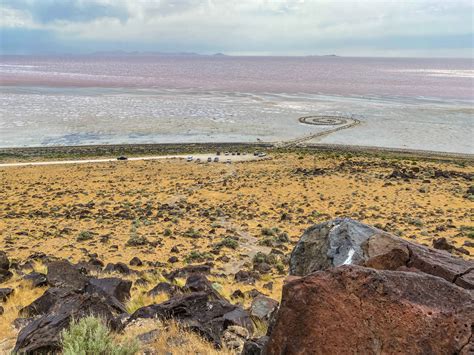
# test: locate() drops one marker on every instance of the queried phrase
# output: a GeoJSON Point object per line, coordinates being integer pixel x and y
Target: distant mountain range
{"type": "Point", "coordinates": [125, 53]}
{"type": "Point", "coordinates": [190, 54]}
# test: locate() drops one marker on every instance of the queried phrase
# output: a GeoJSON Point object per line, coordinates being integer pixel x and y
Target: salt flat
{"type": "Point", "coordinates": [42, 116]}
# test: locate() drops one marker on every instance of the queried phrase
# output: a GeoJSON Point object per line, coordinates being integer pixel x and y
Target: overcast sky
{"type": "Point", "coordinates": [246, 27]}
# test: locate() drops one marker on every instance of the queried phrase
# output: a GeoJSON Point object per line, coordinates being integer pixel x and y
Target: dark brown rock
{"type": "Point", "coordinates": [188, 270]}
{"type": "Point", "coordinates": [136, 261]}
{"type": "Point", "coordinates": [247, 277]}
{"type": "Point", "coordinates": [45, 302]}
{"type": "Point", "coordinates": [201, 312]}
{"type": "Point", "coordinates": [263, 307]}
{"type": "Point", "coordinates": [5, 293]}
{"type": "Point", "coordinates": [356, 309]}
{"type": "Point", "coordinates": [112, 286]}
{"type": "Point", "coordinates": [442, 244]}
{"type": "Point", "coordinates": [42, 335]}
{"type": "Point", "coordinates": [121, 268]}
{"type": "Point", "coordinates": [37, 279]}
{"type": "Point", "coordinates": [63, 274]}
{"type": "Point", "coordinates": [163, 287]}
{"type": "Point", "coordinates": [199, 283]}
{"type": "Point", "coordinates": [4, 262]}
{"type": "Point", "coordinates": [5, 275]}
{"type": "Point", "coordinates": [255, 346]}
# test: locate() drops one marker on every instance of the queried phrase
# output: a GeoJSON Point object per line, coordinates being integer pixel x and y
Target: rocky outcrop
{"type": "Point", "coordinates": [201, 311]}
{"type": "Point", "coordinates": [112, 286]}
{"type": "Point", "coordinates": [62, 273]}
{"type": "Point", "coordinates": [343, 241]}
{"type": "Point", "coordinates": [366, 291]}
{"type": "Point", "coordinates": [42, 335]}
{"type": "Point", "coordinates": [72, 295]}
{"type": "Point", "coordinates": [353, 309]}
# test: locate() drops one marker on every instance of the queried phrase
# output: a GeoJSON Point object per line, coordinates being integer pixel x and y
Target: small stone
{"type": "Point", "coordinates": [136, 261]}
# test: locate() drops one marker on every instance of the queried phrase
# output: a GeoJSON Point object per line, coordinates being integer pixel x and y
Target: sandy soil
{"type": "Point", "coordinates": [45, 207]}
{"type": "Point", "coordinates": [262, 205]}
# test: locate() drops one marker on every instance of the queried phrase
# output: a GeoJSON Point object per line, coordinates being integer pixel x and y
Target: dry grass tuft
{"type": "Point", "coordinates": [172, 338]}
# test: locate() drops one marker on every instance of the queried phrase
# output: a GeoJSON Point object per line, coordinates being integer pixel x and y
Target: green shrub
{"type": "Point", "coordinates": [84, 235]}
{"type": "Point", "coordinates": [283, 237]}
{"type": "Point", "coordinates": [270, 231]}
{"type": "Point", "coordinates": [197, 256]}
{"type": "Point", "coordinates": [192, 233]}
{"type": "Point", "coordinates": [137, 240]}
{"type": "Point", "coordinates": [229, 243]}
{"type": "Point", "coordinates": [268, 242]}
{"type": "Point", "coordinates": [90, 336]}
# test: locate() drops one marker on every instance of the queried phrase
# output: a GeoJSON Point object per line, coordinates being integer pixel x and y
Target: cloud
{"type": "Point", "coordinates": [251, 26]}
{"type": "Point", "coordinates": [47, 11]}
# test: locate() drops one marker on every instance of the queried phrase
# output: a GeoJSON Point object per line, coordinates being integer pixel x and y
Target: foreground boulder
{"type": "Point", "coordinates": [353, 309]}
{"type": "Point", "coordinates": [366, 291]}
{"type": "Point", "coordinates": [42, 335]}
{"type": "Point", "coordinates": [72, 295]}
{"type": "Point", "coordinates": [343, 241]}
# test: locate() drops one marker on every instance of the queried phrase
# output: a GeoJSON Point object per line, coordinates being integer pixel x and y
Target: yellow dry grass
{"type": "Point", "coordinates": [195, 206]}
{"type": "Point", "coordinates": [172, 338]}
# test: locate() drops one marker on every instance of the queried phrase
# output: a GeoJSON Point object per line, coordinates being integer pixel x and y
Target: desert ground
{"type": "Point", "coordinates": [240, 216]}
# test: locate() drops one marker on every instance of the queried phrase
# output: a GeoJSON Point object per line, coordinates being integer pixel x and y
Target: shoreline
{"type": "Point", "coordinates": [31, 154]}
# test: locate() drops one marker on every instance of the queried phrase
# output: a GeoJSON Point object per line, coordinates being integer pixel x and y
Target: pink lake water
{"type": "Point", "coordinates": [403, 103]}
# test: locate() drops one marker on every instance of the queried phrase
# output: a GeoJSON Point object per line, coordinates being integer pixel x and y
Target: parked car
{"type": "Point", "coordinates": [198, 160]}
{"type": "Point", "coordinates": [122, 157]}
{"type": "Point", "coordinates": [228, 161]}
{"type": "Point", "coordinates": [238, 153]}
{"type": "Point", "coordinates": [233, 153]}
{"type": "Point", "coordinates": [261, 155]}
{"type": "Point", "coordinates": [218, 153]}
{"type": "Point", "coordinates": [209, 160]}
{"type": "Point", "coordinates": [216, 159]}
{"type": "Point", "coordinates": [226, 153]}
{"type": "Point", "coordinates": [190, 158]}
{"type": "Point", "coordinates": [255, 153]}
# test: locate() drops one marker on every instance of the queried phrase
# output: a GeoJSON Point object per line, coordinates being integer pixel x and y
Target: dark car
{"type": "Point", "coordinates": [122, 157]}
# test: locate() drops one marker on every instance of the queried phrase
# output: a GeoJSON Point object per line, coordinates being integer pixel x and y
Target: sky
{"type": "Point", "coordinates": [398, 28]}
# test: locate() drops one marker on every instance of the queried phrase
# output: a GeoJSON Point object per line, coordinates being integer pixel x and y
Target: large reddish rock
{"type": "Point", "coordinates": [355, 309]}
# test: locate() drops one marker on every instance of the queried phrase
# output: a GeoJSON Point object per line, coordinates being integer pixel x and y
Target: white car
{"type": "Point", "coordinates": [190, 158]}
{"type": "Point", "coordinates": [261, 155]}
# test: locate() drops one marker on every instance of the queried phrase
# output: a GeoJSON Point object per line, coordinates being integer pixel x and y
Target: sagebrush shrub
{"type": "Point", "coordinates": [90, 336]}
